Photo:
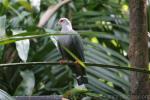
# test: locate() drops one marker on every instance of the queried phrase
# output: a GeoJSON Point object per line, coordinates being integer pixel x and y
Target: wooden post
{"type": "Point", "coordinates": [138, 49]}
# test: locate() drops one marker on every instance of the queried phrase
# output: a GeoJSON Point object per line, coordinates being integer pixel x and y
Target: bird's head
{"type": "Point", "coordinates": [65, 24]}
{"type": "Point", "coordinates": [64, 21]}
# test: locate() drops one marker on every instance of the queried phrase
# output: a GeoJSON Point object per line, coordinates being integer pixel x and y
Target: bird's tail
{"type": "Point", "coordinates": [80, 74]}
{"type": "Point", "coordinates": [81, 80]}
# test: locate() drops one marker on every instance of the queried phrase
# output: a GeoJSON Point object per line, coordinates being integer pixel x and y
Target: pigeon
{"type": "Point", "coordinates": [73, 43]}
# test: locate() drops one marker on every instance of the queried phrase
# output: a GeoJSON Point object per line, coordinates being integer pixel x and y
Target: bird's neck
{"type": "Point", "coordinates": [66, 28]}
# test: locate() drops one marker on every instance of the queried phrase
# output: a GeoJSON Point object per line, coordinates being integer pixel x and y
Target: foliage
{"type": "Point", "coordinates": [5, 96]}
{"type": "Point", "coordinates": [103, 26]}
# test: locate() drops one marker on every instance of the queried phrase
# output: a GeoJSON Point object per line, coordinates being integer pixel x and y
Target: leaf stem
{"type": "Point", "coordinates": [87, 64]}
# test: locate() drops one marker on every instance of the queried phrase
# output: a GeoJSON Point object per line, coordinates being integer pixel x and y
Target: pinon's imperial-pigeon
{"type": "Point", "coordinates": [74, 44]}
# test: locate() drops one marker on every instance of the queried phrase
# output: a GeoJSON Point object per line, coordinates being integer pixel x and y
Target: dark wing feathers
{"type": "Point", "coordinates": [78, 47]}
{"type": "Point", "coordinates": [75, 45]}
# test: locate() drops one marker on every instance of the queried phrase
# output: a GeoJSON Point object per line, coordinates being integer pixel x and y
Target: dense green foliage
{"type": "Point", "coordinates": [104, 27]}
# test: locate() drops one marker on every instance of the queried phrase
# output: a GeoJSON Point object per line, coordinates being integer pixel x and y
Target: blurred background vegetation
{"type": "Point", "coordinates": [104, 28]}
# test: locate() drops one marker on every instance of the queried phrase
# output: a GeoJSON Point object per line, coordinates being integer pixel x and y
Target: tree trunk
{"type": "Point", "coordinates": [138, 49]}
{"type": "Point", "coordinates": [9, 55]}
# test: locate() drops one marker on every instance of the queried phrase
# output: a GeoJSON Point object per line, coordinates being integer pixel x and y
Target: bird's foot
{"type": "Point", "coordinates": [77, 62]}
{"type": "Point", "coordinates": [62, 61]}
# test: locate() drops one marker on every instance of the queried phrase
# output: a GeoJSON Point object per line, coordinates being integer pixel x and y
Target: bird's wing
{"type": "Point", "coordinates": [78, 46]}
{"type": "Point", "coordinates": [60, 49]}
{"type": "Point", "coordinates": [78, 69]}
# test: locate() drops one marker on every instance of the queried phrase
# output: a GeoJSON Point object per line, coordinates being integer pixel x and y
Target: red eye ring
{"type": "Point", "coordinates": [61, 20]}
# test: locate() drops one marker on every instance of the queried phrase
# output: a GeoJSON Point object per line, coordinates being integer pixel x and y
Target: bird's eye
{"type": "Point", "coordinates": [61, 21]}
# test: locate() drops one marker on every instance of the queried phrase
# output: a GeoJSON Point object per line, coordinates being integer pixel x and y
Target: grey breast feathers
{"type": "Point", "coordinates": [72, 43]}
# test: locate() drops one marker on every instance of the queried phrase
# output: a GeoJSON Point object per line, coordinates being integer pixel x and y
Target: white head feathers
{"type": "Point", "coordinates": [65, 24]}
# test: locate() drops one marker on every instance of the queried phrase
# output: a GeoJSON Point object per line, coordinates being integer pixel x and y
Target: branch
{"type": "Point", "coordinates": [86, 64]}
{"type": "Point", "coordinates": [50, 11]}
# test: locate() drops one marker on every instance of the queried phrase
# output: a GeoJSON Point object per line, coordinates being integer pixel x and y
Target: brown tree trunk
{"type": "Point", "coordinates": [138, 49]}
{"type": "Point", "coordinates": [9, 55]}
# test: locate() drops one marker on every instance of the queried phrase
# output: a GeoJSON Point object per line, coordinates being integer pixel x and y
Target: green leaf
{"type": "Point", "coordinates": [2, 26]}
{"type": "Point", "coordinates": [28, 35]}
{"type": "Point", "coordinates": [25, 4]}
{"type": "Point", "coordinates": [5, 3]}
{"type": "Point", "coordinates": [5, 96]}
{"type": "Point", "coordinates": [27, 84]}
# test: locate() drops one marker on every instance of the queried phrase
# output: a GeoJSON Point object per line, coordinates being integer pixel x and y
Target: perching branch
{"type": "Point", "coordinates": [50, 11]}
{"type": "Point", "coordinates": [86, 64]}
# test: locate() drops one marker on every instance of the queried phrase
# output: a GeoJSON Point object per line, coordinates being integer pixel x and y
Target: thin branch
{"type": "Point", "coordinates": [86, 64]}
{"type": "Point", "coordinates": [50, 11]}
